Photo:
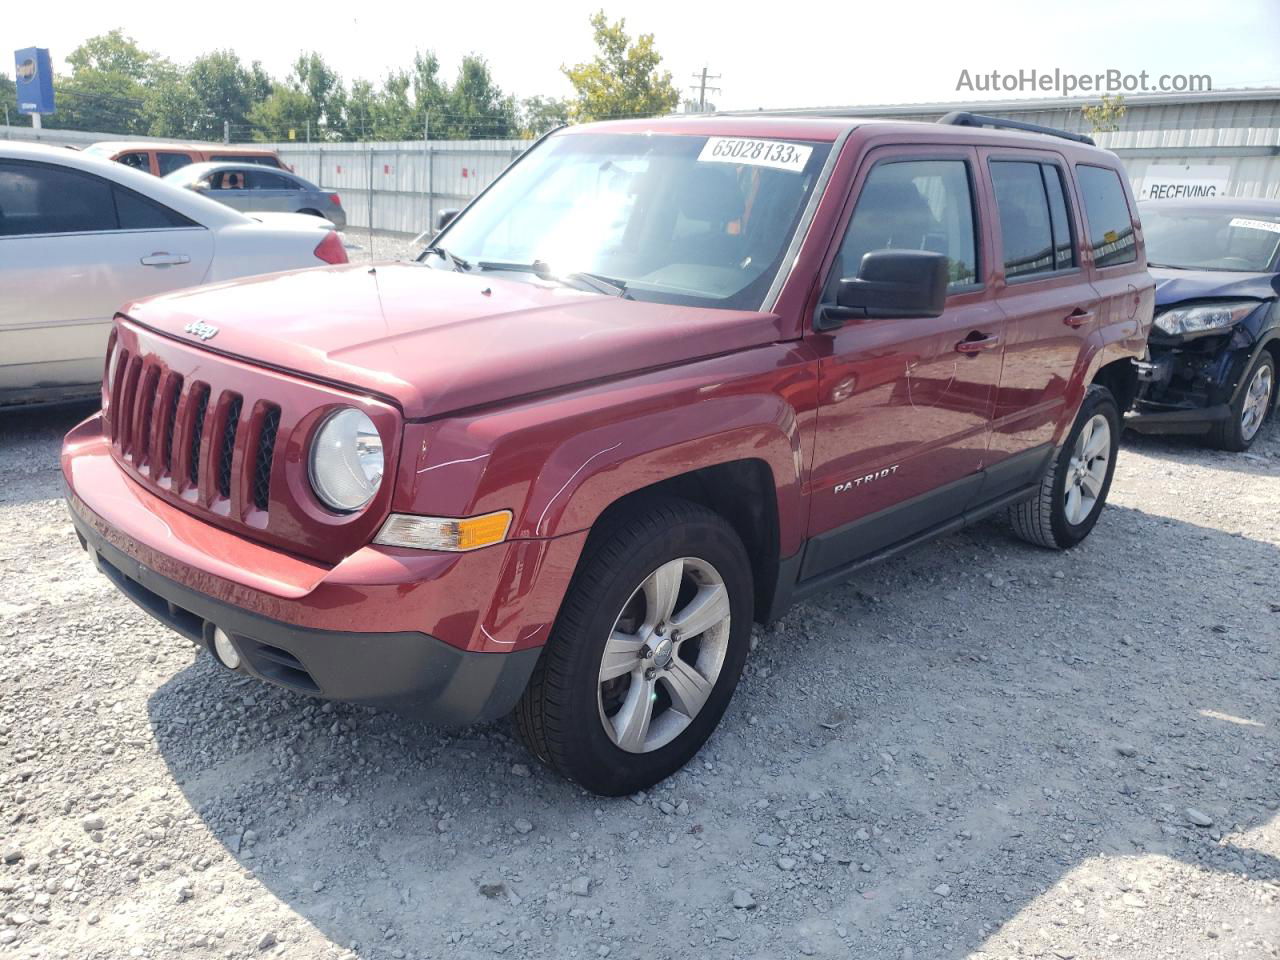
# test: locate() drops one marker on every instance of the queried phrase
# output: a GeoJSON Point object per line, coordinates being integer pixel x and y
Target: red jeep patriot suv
{"type": "Point", "coordinates": [661, 379]}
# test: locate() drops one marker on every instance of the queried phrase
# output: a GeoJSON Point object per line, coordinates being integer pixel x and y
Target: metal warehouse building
{"type": "Point", "coordinates": [1228, 139]}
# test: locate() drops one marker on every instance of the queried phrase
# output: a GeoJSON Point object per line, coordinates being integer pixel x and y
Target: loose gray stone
{"type": "Point", "coordinates": [742, 900]}
{"type": "Point", "coordinates": [522, 825]}
{"type": "Point", "coordinates": [1199, 819]}
{"type": "Point", "coordinates": [943, 890]}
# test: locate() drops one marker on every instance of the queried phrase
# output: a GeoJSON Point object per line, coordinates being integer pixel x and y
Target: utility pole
{"type": "Point", "coordinates": [702, 88]}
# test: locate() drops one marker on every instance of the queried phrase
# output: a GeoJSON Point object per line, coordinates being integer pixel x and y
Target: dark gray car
{"type": "Point", "coordinates": [252, 188]}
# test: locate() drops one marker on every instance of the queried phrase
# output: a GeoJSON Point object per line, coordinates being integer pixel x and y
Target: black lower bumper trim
{"type": "Point", "coordinates": [1196, 420]}
{"type": "Point", "coordinates": [411, 673]}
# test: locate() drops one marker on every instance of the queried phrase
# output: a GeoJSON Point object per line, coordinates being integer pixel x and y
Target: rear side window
{"type": "Point", "coordinates": [912, 205]}
{"type": "Point", "coordinates": [37, 198]}
{"type": "Point", "coordinates": [169, 162]}
{"type": "Point", "coordinates": [262, 180]}
{"type": "Point", "coordinates": [259, 161]}
{"type": "Point", "coordinates": [136, 212]}
{"type": "Point", "coordinates": [1035, 227]}
{"type": "Point", "coordinates": [1107, 212]}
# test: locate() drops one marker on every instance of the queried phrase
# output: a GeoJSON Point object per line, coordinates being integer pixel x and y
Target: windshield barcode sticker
{"type": "Point", "coordinates": [1248, 224]}
{"type": "Point", "coordinates": [758, 153]}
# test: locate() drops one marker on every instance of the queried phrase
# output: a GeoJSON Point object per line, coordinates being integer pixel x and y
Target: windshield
{"type": "Point", "coordinates": [704, 221]}
{"type": "Point", "coordinates": [1200, 239]}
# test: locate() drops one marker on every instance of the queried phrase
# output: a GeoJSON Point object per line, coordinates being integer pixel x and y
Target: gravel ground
{"type": "Point", "coordinates": [981, 749]}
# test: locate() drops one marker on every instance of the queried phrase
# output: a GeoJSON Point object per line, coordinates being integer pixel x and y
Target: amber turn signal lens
{"type": "Point", "coordinates": [444, 533]}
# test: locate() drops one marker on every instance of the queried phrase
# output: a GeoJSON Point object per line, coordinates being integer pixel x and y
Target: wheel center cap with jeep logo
{"type": "Point", "coordinates": [661, 652]}
{"type": "Point", "coordinates": [201, 330]}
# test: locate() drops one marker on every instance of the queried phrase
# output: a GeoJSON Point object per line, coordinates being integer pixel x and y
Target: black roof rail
{"type": "Point", "coordinates": [962, 118]}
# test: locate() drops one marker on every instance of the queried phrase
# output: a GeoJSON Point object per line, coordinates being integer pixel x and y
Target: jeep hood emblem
{"type": "Point", "coordinates": [202, 330]}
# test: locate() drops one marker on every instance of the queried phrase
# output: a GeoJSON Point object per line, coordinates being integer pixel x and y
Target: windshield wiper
{"type": "Point", "coordinates": [542, 270]}
{"type": "Point", "coordinates": [458, 263]}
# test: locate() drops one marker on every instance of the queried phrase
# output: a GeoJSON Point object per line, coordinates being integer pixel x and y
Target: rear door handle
{"type": "Point", "coordinates": [164, 259]}
{"type": "Point", "coordinates": [971, 347]}
{"type": "Point", "coordinates": [1078, 317]}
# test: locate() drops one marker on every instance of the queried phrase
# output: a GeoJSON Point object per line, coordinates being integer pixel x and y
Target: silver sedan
{"type": "Point", "coordinates": [251, 187]}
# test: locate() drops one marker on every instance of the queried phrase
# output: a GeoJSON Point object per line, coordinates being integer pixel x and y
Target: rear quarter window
{"type": "Point", "coordinates": [1111, 236]}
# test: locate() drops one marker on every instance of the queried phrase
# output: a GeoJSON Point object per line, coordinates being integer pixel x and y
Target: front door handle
{"type": "Point", "coordinates": [159, 259]}
{"type": "Point", "coordinates": [1078, 317]}
{"type": "Point", "coordinates": [971, 347]}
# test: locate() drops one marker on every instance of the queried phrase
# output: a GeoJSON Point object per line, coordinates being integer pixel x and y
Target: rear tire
{"type": "Point", "coordinates": [1250, 408]}
{"type": "Point", "coordinates": [313, 213]}
{"type": "Point", "coordinates": [1074, 490]}
{"type": "Point", "coordinates": [616, 713]}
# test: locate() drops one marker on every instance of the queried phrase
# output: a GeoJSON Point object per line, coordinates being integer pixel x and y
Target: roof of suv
{"type": "Point", "coordinates": [125, 146]}
{"type": "Point", "coordinates": [831, 129]}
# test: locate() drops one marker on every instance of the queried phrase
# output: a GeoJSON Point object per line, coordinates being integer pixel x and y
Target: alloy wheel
{"type": "Point", "coordinates": [1087, 470]}
{"type": "Point", "coordinates": [1256, 398]}
{"type": "Point", "coordinates": [664, 654]}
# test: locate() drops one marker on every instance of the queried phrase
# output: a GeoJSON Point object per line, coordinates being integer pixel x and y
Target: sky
{"type": "Point", "coordinates": [846, 53]}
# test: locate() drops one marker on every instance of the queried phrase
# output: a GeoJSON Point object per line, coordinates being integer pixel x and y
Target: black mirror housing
{"type": "Point", "coordinates": [890, 283]}
{"type": "Point", "coordinates": [445, 217]}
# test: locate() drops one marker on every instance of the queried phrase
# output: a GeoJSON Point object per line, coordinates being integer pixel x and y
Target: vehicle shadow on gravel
{"type": "Point", "coordinates": [1262, 459]}
{"type": "Point", "coordinates": [1022, 727]}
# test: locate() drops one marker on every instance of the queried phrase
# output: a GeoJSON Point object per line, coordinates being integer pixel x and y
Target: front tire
{"type": "Point", "coordinates": [1074, 490]}
{"type": "Point", "coordinates": [1249, 409]}
{"type": "Point", "coordinates": [646, 653]}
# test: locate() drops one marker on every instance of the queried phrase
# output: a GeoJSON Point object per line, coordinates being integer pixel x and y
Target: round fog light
{"type": "Point", "coordinates": [225, 650]}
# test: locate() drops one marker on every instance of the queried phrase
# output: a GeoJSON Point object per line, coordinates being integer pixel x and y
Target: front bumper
{"type": "Point", "coordinates": [411, 673]}
{"type": "Point", "coordinates": [1186, 386]}
{"type": "Point", "coordinates": [447, 637]}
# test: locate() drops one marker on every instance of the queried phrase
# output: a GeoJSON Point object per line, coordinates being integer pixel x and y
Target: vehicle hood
{"type": "Point", "coordinates": [435, 341]}
{"type": "Point", "coordinates": [1175, 286]}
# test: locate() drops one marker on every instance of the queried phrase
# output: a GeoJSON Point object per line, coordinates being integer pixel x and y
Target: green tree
{"type": "Point", "coordinates": [475, 106]}
{"type": "Point", "coordinates": [225, 90]}
{"type": "Point", "coordinates": [9, 96]}
{"type": "Point", "coordinates": [623, 80]}
{"type": "Point", "coordinates": [540, 114]}
{"type": "Point", "coordinates": [107, 87]}
{"type": "Point", "coordinates": [113, 52]}
{"type": "Point", "coordinates": [323, 87]}
{"type": "Point", "coordinates": [285, 110]}
{"type": "Point", "coordinates": [1105, 116]}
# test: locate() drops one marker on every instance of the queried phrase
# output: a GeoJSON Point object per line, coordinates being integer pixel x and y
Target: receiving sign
{"type": "Point", "coordinates": [1169, 181]}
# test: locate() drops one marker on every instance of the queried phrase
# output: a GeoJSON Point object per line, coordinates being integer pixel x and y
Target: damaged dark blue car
{"type": "Point", "coordinates": [1215, 346]}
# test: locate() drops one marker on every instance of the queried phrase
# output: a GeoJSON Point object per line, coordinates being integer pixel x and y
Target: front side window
{"type": "Point", "coordinates": [704, 221]}
{"type": "Point", "coordinates": [138, 161]}
{"type": "Point", "coordinates": [912, 205]}
{"type": "Point", "coordinates": [1210, 238]}
{"type": "Point", "coordinates": [40, 198]}
{"type": "Point", "coordinates": [37, 198]}
{"type": "Point", "coordinates": [1105, 208]}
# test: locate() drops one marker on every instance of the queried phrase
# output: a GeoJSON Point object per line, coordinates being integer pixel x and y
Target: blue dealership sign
{"type": "Point", "coordinates": [34, 75]}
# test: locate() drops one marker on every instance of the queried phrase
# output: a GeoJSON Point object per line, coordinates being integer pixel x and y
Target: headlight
{"type": "Point", "coordinates": [346, 460]}
{"type": "Point", "coordinates": [1204, 317]}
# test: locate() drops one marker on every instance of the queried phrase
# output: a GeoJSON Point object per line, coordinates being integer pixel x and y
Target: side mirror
{"type": "Point", "coordinates": [890, 283]}
{"type": "Point", "coordinates": [445, 217]}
